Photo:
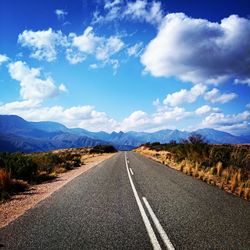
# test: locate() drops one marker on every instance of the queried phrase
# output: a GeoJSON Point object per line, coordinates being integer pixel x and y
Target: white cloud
{"type": "Point", "coordinates": [206, 109]}
{"type": "Point", "coordinates": [163, 118]}
{"type": "Point", "coordinates": [197, 50]}
{"type": "Point", "coordinates": [33, 87]}
{"type": "Point", "coordinates": [135, 50]}
{"type": "Point", "coordinates": [185, 96]}
{"type": "Point", "coordinates": [87, 42]}
{"type": "Point", "coordinates": [138, 119]}
{"type": "Point", "coordinates": [14, 107]}
{"type": "Point", "coordinates": [112, 4]}
{"type": "Point", "coordinates": [136, 9]}
{"type": "Point", "coordinates": [94, 66]}
{"type": "Point", "coordinates": [61, 13]}
{"type": "Point", "coordinates": [248, 106]}
{"type": "Point", "coordinates": [109, 47]}
{"type": "Point", "coordinates": [139, 10]}
{"type": "Point", "coordinates": [215, 96]}
{"type": "Point", "coordinates": [62, 88]}
{"type": "Point", "coordinates": [242, 81]}
{"type": "Point", "coordinates": [3, 59]}
{"type": "Point", "coordinates": [232, 123]}
{"type": "Point", "coordinates": [113, 11]}
{"type": "Point", "coordinates": [43, 43]}
{"type": "Point", "coordinates": [74, 57]}
{"type": "Point", "coordinates": [100, 47]}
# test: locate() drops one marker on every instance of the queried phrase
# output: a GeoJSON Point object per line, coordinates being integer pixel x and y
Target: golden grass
{"type": "Point", "coordinates": [233, 183]}
{"type": "Point", "coordinates": [229, 179]}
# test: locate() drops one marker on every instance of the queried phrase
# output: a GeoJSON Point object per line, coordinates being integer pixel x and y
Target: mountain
{"type": "Point", "coordinates": [12, 124]}
{"type": "Point", "coordinates": [50, 126]}
{"type": "Point", "coordinates": [219, 137]}
{"type": "Point", "coordinates": [17, 134]}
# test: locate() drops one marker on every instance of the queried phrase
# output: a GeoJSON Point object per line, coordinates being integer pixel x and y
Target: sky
{"type": "Point", "coordinates": [116, 65]}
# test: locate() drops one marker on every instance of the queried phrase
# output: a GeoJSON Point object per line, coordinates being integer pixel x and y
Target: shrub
{"type": "Point", "coordinates": [46, 161]}
{"type": "Point", "coordinates": [100, 149]}
{"type": "Point", "coordinates": [5, 180]}
{"type": "Point", "coordinates": [10, 186]}
{"type": "Point", "coordinates": [19, 166]}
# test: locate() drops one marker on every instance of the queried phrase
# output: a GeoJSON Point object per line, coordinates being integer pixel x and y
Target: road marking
{"type": "Point", "coordinates": [158, 226]}
{"type": "Point", "coordinates": [145, 219]}
{"type": "Point", "coordinates": [131, 171]}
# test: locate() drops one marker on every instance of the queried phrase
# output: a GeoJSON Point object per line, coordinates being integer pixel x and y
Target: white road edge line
{"type": "Point", "coordinates": [145, 219]}
{"type": "Point", "coordinates": [158, 226]}
{"type": "Point", "coordinates": [131, 171]}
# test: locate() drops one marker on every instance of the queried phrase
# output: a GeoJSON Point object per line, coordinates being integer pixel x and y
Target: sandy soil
{"type": "Point", "coordinates": [20, 203]}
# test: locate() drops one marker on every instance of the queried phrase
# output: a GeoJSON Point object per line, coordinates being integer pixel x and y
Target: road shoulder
{"type": "Point", "coordinates": [19, 204]}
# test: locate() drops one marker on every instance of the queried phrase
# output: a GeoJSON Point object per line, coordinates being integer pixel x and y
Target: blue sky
{"type": "Point", "coordinates": [127, 65]}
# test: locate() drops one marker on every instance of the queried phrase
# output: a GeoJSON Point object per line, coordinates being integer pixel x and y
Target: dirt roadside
{"type": "Point", "coordinates": [22, 202]}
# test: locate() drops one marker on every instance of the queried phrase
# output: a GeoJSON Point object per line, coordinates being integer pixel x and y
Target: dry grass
{"type": "Point", "coordinates": [233, 183]}
{"type": "Point", "coordinates": [230, 179]}
{"type": "Point", "coordinates": [10, 186]}
{"type": "Point", "coordinates": [36, 168]}
{"type": "Point", "coordinates": [219, 168]}
{"type": "Point", "coordinates": [5, 180]}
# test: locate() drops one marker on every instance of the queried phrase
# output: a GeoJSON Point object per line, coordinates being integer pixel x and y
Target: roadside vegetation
{"type": "Point", "coordinates": [18, 171]}
{"type": "Point", "coordinates": [226, 166]}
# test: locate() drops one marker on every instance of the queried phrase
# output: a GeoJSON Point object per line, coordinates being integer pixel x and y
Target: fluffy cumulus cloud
{"type": "Point", "coordinates": [87, 42]}
{"type": "Point", "coordinates": [102, 48]}
{"type": "Point", "coordinates": [138, 119]}
{"type": "Point", "coordinates": [43, 43]}
{"type": "Point", "coordinates": [206, 109]}
{"type": "Point", "coordinates": [164, 117]}
{"type": "Point", "coordinates": [215, 96]}
{"type": "Point", "coordinates": [190, 96]}
{"type": "Point", "coordinates": [185, 96]}
{"type": "Point", "coordinates": [197, 50]}
{"type": "Point", "coordinates": [233, 123]}
{"type": "Point", "coordinates": [46, 44]}
{"type": "Point", "coordinates": [32, 86]}
{"type": "Point", "coordinates": [3, 59]}
{"type": "Point", "coordinates": [139, 10]}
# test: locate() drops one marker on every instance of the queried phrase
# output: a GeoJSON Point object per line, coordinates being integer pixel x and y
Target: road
{"type": "Point", "coordinates": [131, 202]}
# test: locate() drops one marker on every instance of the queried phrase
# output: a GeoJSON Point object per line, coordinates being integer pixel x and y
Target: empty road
{"type": "Point", "coordinates": [131, 202]}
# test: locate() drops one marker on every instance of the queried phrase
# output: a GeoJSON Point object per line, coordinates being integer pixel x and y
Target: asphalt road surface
{"type": "Point", "coordinates": [131, 202]}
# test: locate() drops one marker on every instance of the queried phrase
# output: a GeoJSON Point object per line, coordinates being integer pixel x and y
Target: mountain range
{"type": "Point", "coordinates": [17, 134]}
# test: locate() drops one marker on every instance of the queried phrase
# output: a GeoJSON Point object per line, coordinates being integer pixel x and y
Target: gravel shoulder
{"type": "Point", "coordinates": [22, 202]}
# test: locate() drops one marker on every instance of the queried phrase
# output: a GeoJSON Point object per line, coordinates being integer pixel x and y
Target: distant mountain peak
{"type": "Point", "coordinates": [22, 135]}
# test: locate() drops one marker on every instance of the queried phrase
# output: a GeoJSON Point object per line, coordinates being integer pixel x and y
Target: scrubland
{"type": "Point", "coordinates": [18, 171]}
{"type": "Point", "coordinates": [225, 166]}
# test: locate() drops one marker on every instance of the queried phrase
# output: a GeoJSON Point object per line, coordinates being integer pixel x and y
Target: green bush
{"type": "Point", "coordinates": [19, 166]}
{"type": "Point", "coordinates": [46, 161]}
